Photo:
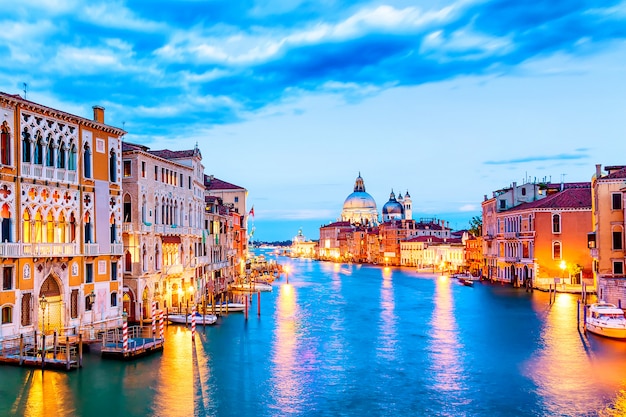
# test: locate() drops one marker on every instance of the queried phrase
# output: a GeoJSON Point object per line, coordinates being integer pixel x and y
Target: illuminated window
{"type": "Point", "coordinates": [7, 315]}
{"type": "Point", "coordinates": [5, 213]}
{"type": "Point", "coordinates": [556, 250]}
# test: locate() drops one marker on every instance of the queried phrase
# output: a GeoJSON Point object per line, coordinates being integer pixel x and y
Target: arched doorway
{"type": "Point", "coordinates": [128, 302]}
{"type": "Point", "coordinates": [50, 306]}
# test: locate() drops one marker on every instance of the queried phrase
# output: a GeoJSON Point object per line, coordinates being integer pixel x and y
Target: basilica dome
{"type": "Point", "coordinates": [393, 209]}
{"type": "Point", "coordinates": [360, 207]}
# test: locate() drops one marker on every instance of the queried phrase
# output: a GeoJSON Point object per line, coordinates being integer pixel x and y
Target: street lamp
{"type": "Point", "coordinates": [43, 303]}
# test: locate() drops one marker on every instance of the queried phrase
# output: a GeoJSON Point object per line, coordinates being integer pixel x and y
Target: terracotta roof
{"type": "Point", "coordinates": [212, 183]}
{"type": "Point", "coordinates": [337, 224]}
{"type": "Point", "coordinates": [430, 239]}
{"type": "Point", "coordinates": [129, 147]}
{"type": "Point", "coordinates": [620, 173]}
{"type": "Point", "coordinates": [167, 154]}
{"type": "Point", "coordinates": [568, 198]}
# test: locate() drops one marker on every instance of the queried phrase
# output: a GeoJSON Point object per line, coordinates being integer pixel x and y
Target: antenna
{"type": "Point", "coordinates": [25, 89]}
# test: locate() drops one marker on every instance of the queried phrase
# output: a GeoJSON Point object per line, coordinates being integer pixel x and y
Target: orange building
{"type": "Point", "coordinates": [60, 198]}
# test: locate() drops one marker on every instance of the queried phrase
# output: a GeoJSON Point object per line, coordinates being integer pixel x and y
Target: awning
{"type": "Point", "coordinates": [170, 239]}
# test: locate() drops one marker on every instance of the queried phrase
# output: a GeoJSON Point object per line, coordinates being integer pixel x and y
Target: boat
{"type": "Point", "coordinates": [253, 287]}
{"type": "Point", "coordinates": [186, 318]}
{"type": "Point", "coordinates": [468, 282]}
{"type": "Point", "coordinates": [606, 319]}
{"type": "Point", "coordinates": [222, 308]}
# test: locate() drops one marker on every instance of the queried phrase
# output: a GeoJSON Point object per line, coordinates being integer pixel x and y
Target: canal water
{"type": "Point", "coordinates": [353, 340]}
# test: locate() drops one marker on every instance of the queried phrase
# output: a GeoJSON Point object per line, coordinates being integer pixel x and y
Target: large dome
{"type": "Point", "coordinates": [392, 209]}
{"type": "Point", "coordinates": [360, 207]}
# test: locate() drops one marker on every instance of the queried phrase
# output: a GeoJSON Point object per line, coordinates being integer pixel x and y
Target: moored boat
{"type": "Point", "coordinates": [606, 319]}
{"type": "Point", "coordinates": [230, 307]}
{"type": "Point", "coordinates": [186, 318]}
{"type": "Point", "coordinates": [253, 287]}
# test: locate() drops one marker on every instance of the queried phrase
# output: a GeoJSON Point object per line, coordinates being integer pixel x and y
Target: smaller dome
{"type": "Point", "coordinates": [392, 207]}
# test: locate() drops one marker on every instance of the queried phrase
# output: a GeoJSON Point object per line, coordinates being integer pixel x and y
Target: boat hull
{"type": "Point", "coordinates": [186, 319]}
{"type": "Point", "coordinates": [232, 308]}
{"type": "Point", "coordinates": [613, 333]}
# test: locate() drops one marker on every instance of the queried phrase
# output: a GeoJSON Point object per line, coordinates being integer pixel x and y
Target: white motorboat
{"type": "Point", "coordinates": [252, 287]}
{"type": "Point", "coordinates": [606, 319]}
{"type": "Point", "coordinates": [230, 307]}
{"type": "Point", "coordinates": [186, 318]}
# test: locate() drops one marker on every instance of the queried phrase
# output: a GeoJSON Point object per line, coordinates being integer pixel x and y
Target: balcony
{"type": "Point", "coordinates": [510, 235]}
{"type": "Point", "coordinates": [92, 249]}
{"type": "Point", "coordinates": [175, 269]}
{"type": "Point", "coordinates": [117, 249]}
{"type": "Point", "coordinates": [10, 250]}
{"type": "Point", "coordinates": [49, 249]}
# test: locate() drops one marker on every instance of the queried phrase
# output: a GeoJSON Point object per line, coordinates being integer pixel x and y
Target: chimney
{"type": "Point", "coordinates": [98, 114]}
{"type": "Point", "coordinates": [598, 170]}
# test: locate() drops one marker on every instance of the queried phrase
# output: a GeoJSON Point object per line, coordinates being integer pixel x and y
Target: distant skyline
{"type": "Point", "coordinates": [449, 100]}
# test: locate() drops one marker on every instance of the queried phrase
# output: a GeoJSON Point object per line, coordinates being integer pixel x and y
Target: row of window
{"type": "Point", "coordinates": [26, 319]}
{"type": "Point", "coordinates": [167, 176]}
{"type": "Point", "coordinates": [8, 276]}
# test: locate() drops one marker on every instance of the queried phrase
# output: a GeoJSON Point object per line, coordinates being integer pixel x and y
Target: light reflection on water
{"type": "Point", "coordinates": [350, 340]}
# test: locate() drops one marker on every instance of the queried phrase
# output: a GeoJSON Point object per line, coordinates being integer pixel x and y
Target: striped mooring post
{"type": "Point", "coordinates": [161, 325]}
{"type": "Point", "coordinates": [193, 322]}
{"type": "Point", "coordinates": [125, 336]}
{"type": "Point", "coordinates": [154, 319]}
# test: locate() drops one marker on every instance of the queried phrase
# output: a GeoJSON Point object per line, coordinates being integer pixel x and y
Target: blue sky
{"type": "Point", "coordinates": [449, 100]}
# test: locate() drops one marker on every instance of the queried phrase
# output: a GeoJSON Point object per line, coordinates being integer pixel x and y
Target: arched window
{"type": "Point", "coordinates": [113, 229]}
{"type": "Point", "coordinates": [26, 229]}
{"type": "Point", "coordinates": [113, 166]}
{"type": "Point", "coordinates": [62, 152]}
{"type": "Point", "coordinates": [5, 144]}
{"type": "Point", "coordinates": [71, 163]}
{"type": "Point", "coordinates": [128, 262]}
{"type": "Point", "coordinates": [38, 227]}
{"type": "Point", "coordinates": [128, 209]}
{"type": "Point", "coordinates": [61, 229]}
{"type": "Point", "coordinates": [26, 156]}
{"type": "Point", "coordinates": [87, 221]}
{"type": "Point", "coordinates": [6, 223]}
{"type": "Point", "coordinates": [50, 152]}
{"type": "Point", "coordinates": [72, 228]}
{"type": "Point", "coordinates": [556, 223]}
{"type": "Point", "coordinates": [556, 250]}
{"type": "Point", "coordinates": [87, 162]}
{"type": "Point", "coordinates": [7, 315]}
{"type": "Point", "coordinates": [38, 149]}
{"type": "Point", "coordinates": [49, 228]}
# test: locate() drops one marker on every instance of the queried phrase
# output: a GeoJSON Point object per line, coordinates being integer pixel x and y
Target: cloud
{"type": "Point", "coordinates": [542, 158]}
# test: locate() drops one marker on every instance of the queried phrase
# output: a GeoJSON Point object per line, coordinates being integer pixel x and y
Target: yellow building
{"type": "Point", "coordinates": [60, 198]}
{"type": "Point", "coordinates": [606, 241]}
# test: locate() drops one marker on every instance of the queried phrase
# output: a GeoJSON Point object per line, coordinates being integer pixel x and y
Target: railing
{"type": "Point", "coordinates": [8, 249]}
{"type": "Point", "coordinates": [127, 227]}
{"type": "Point", "coordinates": [50, 249]}
{"type": "Point", "coordinates": [117, 248]}
{"type": "Point", "coordinates": [510, 235]}
{"type": "Point", "coordinates": [92, 249]}
{"type": "Point", "coordinates": [48, 173]}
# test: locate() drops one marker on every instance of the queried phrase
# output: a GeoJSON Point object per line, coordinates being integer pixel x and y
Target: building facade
{"type": "Point", "coordinates": [61, 204]}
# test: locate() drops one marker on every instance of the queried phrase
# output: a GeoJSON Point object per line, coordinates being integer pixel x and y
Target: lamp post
{"type": "Point", "coordinates": [43, 303]}
{"type": "Point", "coordinates": [563, 265]}
{"type": "Point", "coordinates": [92, 300]}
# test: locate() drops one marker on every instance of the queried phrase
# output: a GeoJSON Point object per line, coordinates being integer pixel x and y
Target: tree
{"type": "Point", "coordinates": [476, 225]}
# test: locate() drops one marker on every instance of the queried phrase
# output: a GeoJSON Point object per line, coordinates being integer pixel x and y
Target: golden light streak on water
{"type": "Point", "coordinates": [387, 323]}
{"type": "Point", "coordinates": [43, 394]}
{"type": "Point", "coordinates": [174, 381]}
{"type": "Point", "coordinates": [446, 371]}
{"type": "Point", "coordinates": [563, 347]}
{"type": "Point", "coordinates": [286, 387]}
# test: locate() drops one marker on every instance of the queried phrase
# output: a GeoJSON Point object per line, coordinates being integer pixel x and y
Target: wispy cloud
{"type": "Point", "coordinates": [541, 158]}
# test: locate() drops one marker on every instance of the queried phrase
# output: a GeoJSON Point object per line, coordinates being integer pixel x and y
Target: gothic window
{"type": "Point", "coordinates": [128, 262]}
{"type": "Point", "coordinates": [60, 229]}
{"type": "Point", "coordinates": [26, 157]}
{"type": "Point", "coordinates": [38, 149]}
{"type": "Point", "coordinates": [127, 209]}
{"type": "Point", "coordinates": [113, 229]}
{"type": "Point", "coordinates": [50, 152]}
{"type": "Point", "coordinates": [26, 229]}
{"type": "Point", "coordinates": [87, 162]}
{"type": "Point", "coordinates": [113, 166]}
{"type": "Point", "coordinates": [6, 223]}
{"type": "Point", "coordinates": [49, 228]}
{"type": "Point", "coordinates": [71, 163]}
{"type": "Point", "coordinates": [87, 221]}
{"type": "Point", "coordinates": [72, 228]}
{"type": "Point", "coordinates": [38, 227]}
{"type": "Point", "coordinates": [5, 144]}
{"type": "Point", "coordinates": [61, 159]}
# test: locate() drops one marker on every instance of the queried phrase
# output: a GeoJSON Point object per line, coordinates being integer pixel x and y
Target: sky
{"type": "Point", "coordinates": [448, 100]}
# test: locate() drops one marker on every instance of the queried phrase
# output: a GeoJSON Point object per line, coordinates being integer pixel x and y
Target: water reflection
{"type": "Point", "coordinates": [594, 365]}
{"type": "Point", "coordinates": [444, 367]}
{"type": "Point", "coordinates": [42, 394]}
{"type": "Point", "coordinates": [174, 381]}
{"type": "Point", "coordinates": [386, 348]}
{"type": "Point", "coordinates": [287, 389]}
